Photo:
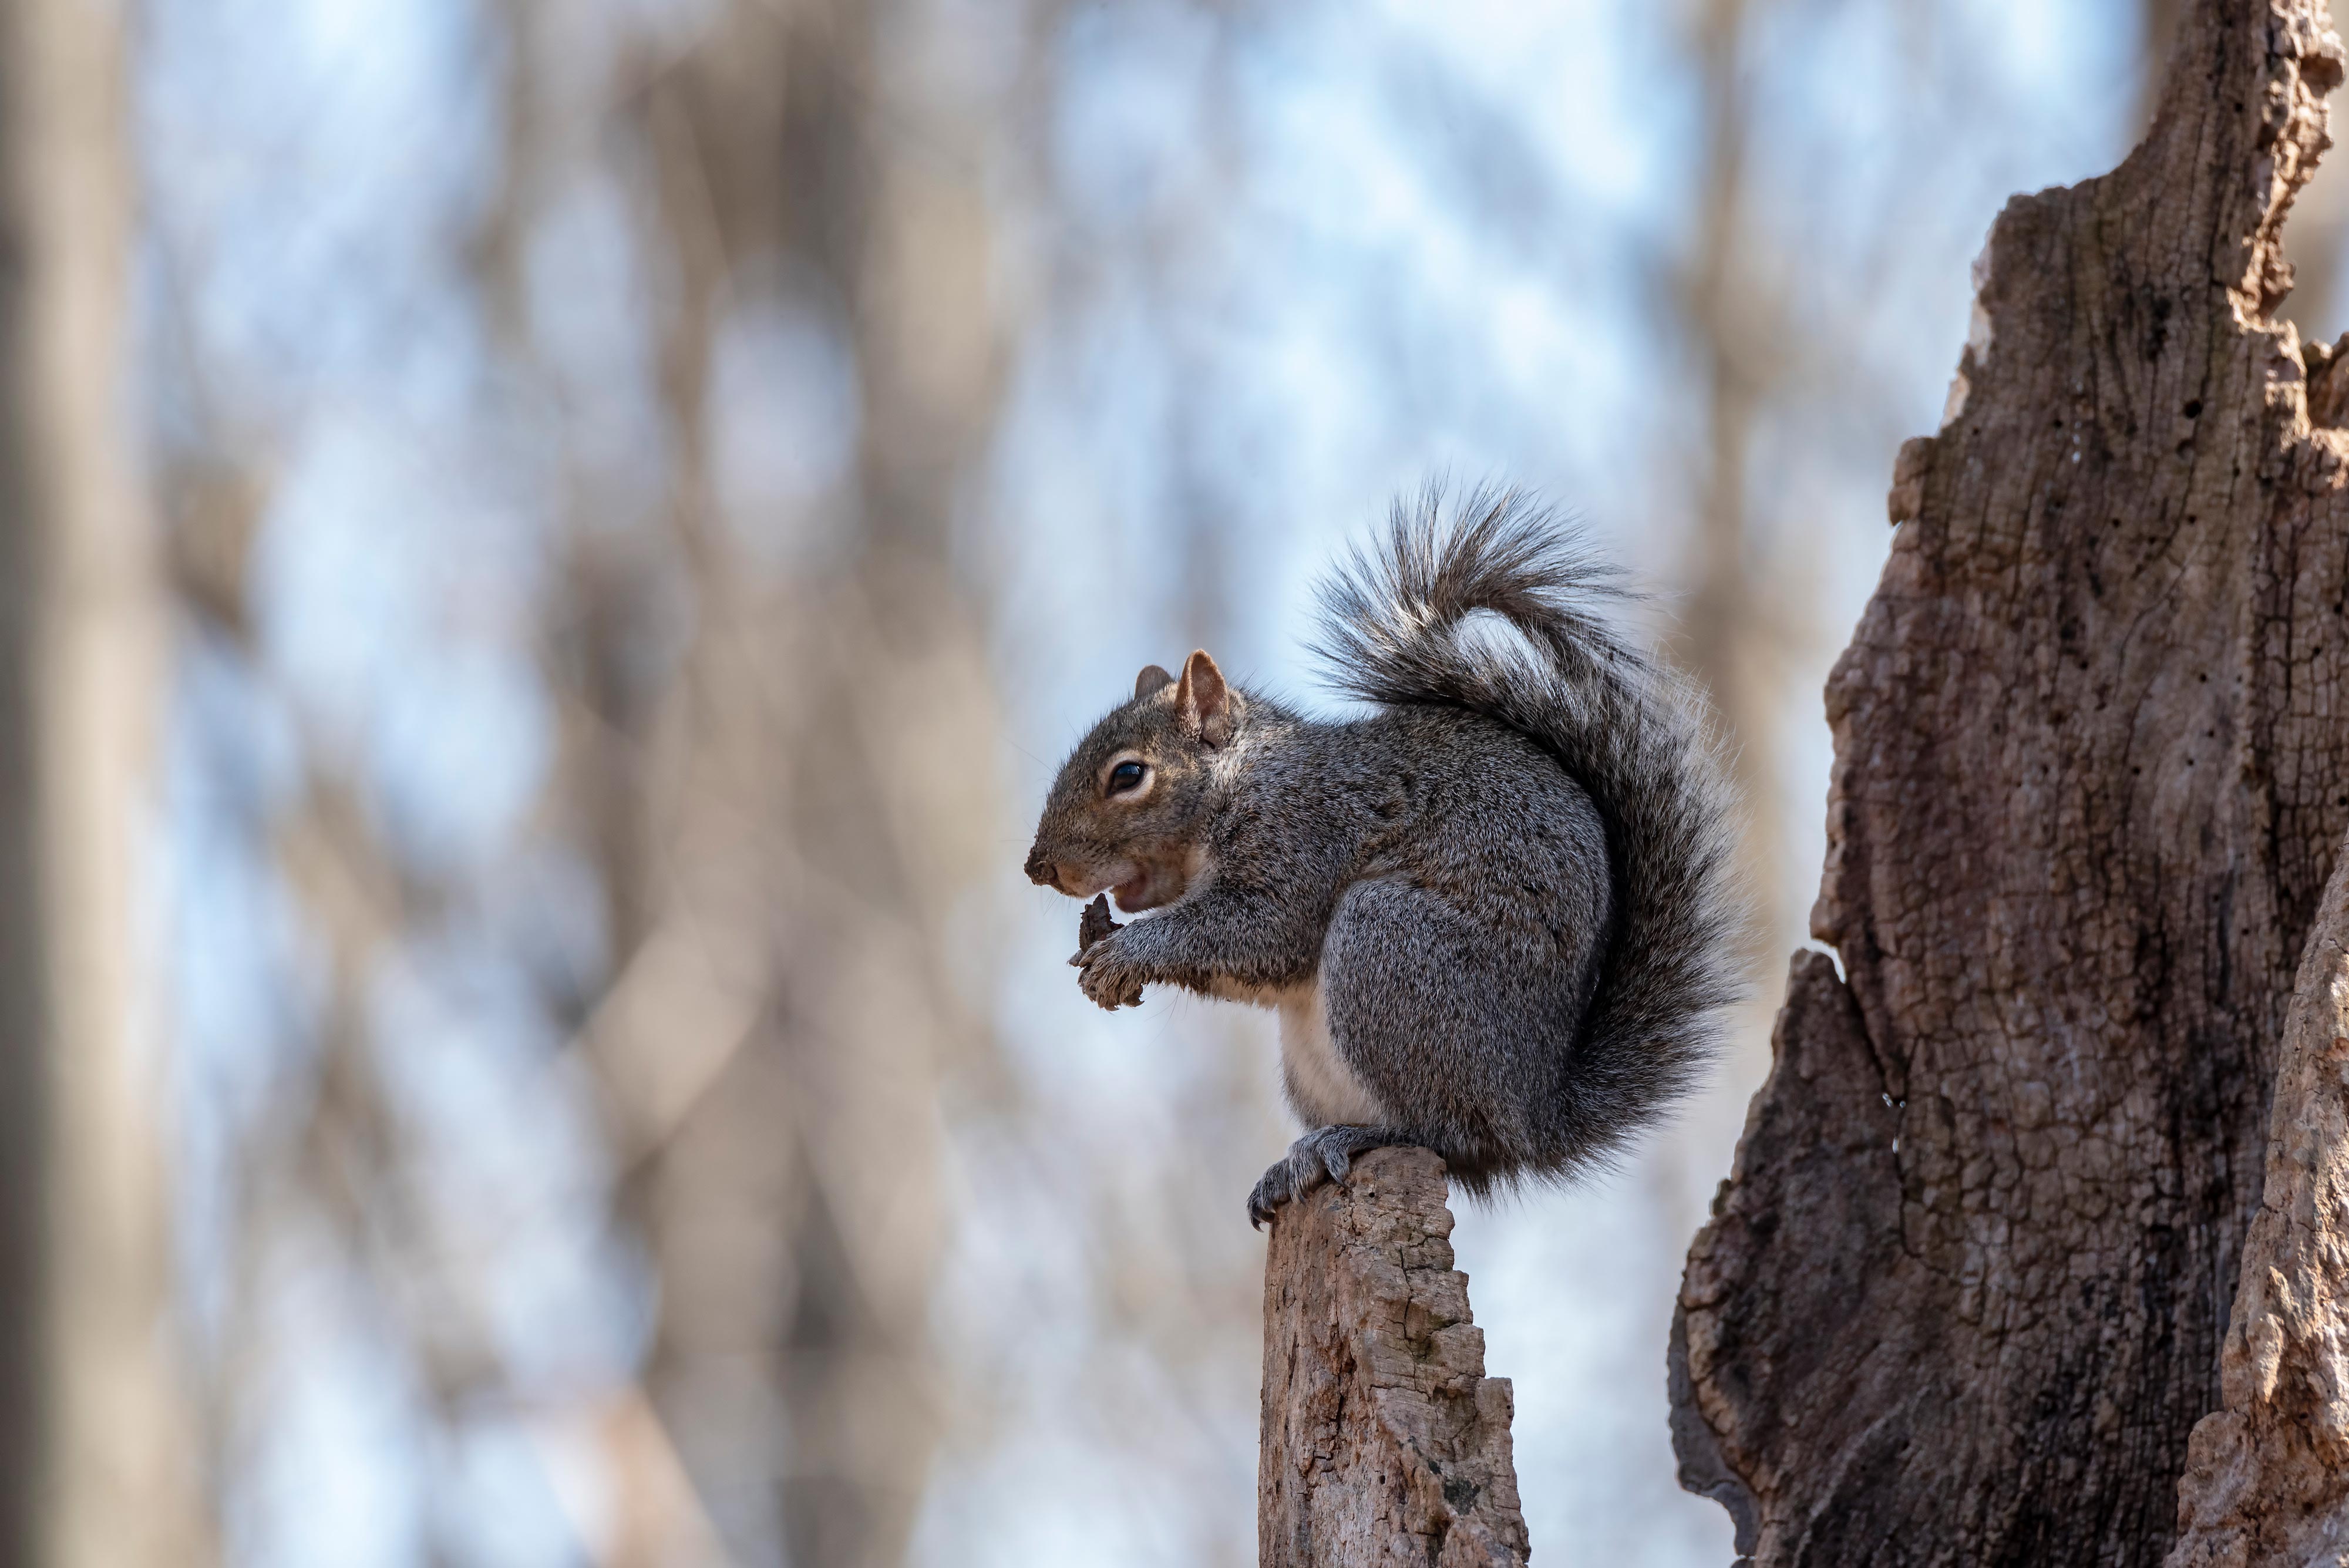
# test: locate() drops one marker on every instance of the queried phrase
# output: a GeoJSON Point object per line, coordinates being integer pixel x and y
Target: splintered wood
{"type": "Point", "coordinates": [1383, 1441]}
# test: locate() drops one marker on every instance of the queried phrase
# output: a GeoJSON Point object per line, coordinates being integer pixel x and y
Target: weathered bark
{"type": "Point", "coordinates": [92, 1448]}
{"type": "Point", "coordinates": [1963, 1298]}
{"type": "Point", "coordinates": [1382, 1439]}
{"type": "Point", "coordinates": [2267, 1477]}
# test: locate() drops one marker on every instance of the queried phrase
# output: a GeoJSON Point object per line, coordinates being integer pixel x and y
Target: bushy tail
{"type": "Point", "coordinates": [1397, 629]}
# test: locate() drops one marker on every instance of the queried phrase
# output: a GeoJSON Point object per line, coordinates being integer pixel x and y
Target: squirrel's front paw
{"type": "Point", "coordinates": [1108, 974]}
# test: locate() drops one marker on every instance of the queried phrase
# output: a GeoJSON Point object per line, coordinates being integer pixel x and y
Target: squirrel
{"type": "Point", "coordinates": [1497, 916]}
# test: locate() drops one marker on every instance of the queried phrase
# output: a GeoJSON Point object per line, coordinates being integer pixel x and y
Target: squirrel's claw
{"type": "Point", "coordinates": [1110, 989]}
{"type": "Point", "coordinates": [1324, 1155]}
{"type": "Point", "coordinates": [1270, 1193]}
{"type": "Point", "coordinates": [1105, 974]}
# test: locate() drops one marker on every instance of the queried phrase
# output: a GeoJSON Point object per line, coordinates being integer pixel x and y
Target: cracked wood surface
{"type": "Point", "coordinates": [1963, 1298]}
{"type": "Point", "coordinates": [1382, 1440]}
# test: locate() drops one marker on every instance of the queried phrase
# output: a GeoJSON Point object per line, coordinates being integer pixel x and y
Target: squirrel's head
{"type": "Point", "coordinates": [1128, 811]}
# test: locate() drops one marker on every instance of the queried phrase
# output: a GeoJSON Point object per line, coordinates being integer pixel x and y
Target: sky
{"type": "Point", "coordinates": [1294, 264]}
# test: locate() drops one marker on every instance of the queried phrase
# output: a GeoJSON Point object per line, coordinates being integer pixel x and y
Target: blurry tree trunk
{"type": "Point", "coordinates": [90, 1432]}
{"type": "Point", "coordinates": [1381, 1440]}
{"type": "Point", "coordinates": [1731, 639]}
{"type": "Point", "coordinates": [1962, 1299]}
{"type": "Point", "coordinates": [820, 805]}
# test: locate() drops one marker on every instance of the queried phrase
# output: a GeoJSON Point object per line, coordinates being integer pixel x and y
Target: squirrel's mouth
{"type": "Point", "coordinates": [1156, 879]}
{"type": "Point", "coordinates": [1146, 890]}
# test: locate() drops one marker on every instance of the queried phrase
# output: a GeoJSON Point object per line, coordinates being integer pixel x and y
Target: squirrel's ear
{"type": "Point", "coordinates": [1204, 701]}
{"type": "Point", "coordinates": [1152, 678]}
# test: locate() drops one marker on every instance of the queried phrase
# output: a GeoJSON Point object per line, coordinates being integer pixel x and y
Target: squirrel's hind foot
{"type": "Point", "coordinates": [1325, 1154]}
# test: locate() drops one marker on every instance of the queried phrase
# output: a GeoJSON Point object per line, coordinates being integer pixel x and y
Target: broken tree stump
{"type": "Point", "coordinates": [1382, 1440]}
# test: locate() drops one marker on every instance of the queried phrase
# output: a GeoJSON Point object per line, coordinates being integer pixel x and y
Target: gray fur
{"type": "Point", "coordinates": [1498, 913]}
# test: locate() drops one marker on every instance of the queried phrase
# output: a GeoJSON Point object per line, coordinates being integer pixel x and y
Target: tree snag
{"type": "Point", "coordinates": [1382, 1440]}
{"type": "Point", "coordinates": [1963, 1298]}
{"type": "Point", "coordinates": [2267, 1476]}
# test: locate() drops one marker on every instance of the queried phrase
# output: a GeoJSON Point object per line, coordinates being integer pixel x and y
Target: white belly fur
{"type": "Point", "coordinates": [1322, 1090]}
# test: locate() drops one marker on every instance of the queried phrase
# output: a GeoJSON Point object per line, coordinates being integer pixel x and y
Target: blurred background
{"type": "Point", "coordinates": [550, 548]}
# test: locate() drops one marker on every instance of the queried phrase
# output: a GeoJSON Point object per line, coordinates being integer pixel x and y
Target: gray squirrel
{"type": "Point", "coordinates": [1496, 915]}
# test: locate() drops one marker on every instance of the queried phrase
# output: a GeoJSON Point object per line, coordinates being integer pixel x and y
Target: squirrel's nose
{"type": "Point", "coordinates": [1040, 871]}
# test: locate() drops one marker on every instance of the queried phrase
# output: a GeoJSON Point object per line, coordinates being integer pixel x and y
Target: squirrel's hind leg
{"type": "Point", "coordinates": [1452, 1023]}
{"type": "Point", "coordinates": [1325, 1154]}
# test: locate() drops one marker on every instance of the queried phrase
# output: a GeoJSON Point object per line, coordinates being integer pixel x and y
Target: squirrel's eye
{"type": "Point", "coordinates": [1125, 776]}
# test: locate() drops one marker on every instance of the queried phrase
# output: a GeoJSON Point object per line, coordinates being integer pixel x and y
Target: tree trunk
{"type": "Point", "coordinates": [1962, 1300]}
{"type": "Point", "coordinates": [809, 860]}
{"type": "Point", "coordinates": [1382, 1440]}
{"type": "Point", "coordinates": [2267, 1476]}
{"type": "Point", "coordinates": [92, 1445]}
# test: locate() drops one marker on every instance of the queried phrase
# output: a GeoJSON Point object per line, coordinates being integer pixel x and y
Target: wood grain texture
{"type": "Point", "coordinates": [1383, 1441]}
{"type": "Point", "coordinates": [1963, 1298]}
